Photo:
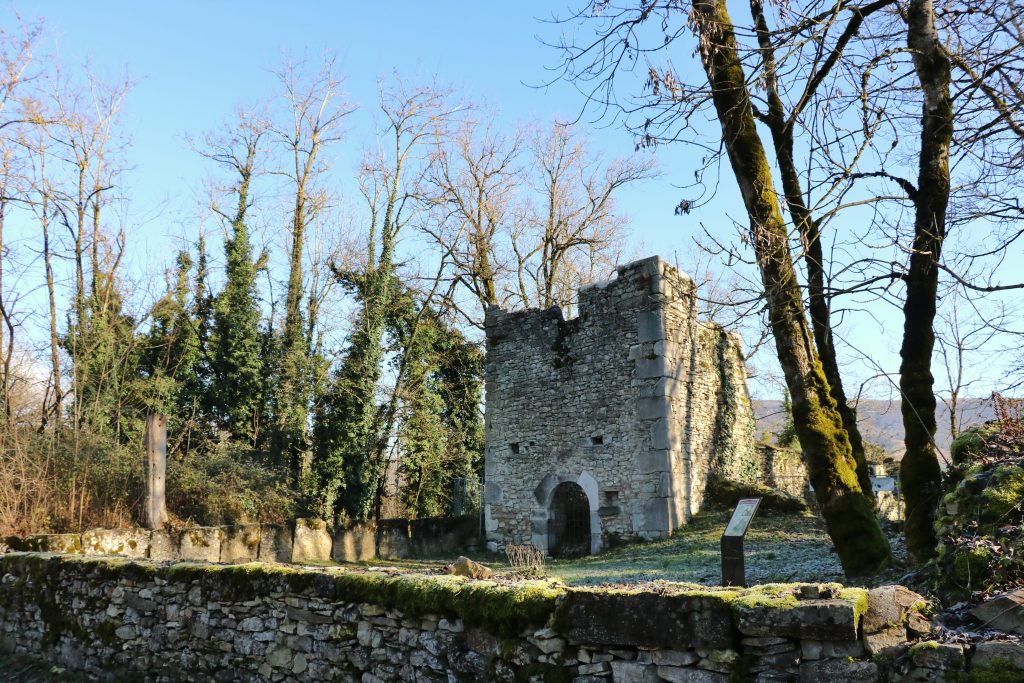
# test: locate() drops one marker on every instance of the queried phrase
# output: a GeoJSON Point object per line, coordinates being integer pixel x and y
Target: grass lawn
{"type": "Point", "coordinates": [777, 548]}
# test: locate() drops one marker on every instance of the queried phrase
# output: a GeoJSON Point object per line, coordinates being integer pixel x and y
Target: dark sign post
{"type": "Point", "coordinates": [733, 572]}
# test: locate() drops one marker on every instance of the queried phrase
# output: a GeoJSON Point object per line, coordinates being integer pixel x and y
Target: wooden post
{"type": "Point", "coordinates": [155, 511]}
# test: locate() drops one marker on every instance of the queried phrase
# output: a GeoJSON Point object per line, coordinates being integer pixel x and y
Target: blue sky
{"type": "Point", "coordinates": [193, 63]}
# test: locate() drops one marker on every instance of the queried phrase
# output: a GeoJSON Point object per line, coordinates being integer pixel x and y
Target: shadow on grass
{"type": "Point", "coordinates": [778, 548]}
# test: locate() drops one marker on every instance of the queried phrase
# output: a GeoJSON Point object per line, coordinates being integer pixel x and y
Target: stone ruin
{"type": "Point", "coordinates": [606, 427]}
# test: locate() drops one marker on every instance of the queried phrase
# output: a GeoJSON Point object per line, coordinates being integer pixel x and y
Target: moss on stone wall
{"type": "Point", "coordinates": [1001, 672]}
{"type": "Point", "coordinates": [503, 609]}
{"type": "Point", "coordinates": [981, 544]}
{"type": "Point", "coordinates": [970, 442]}
{"type": "Point", "coordinates": [526, 629]}
{"type": "Point", "coordinates": [727, 493]}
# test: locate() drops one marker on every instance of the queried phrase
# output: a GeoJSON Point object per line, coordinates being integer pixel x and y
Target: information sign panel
{"type": "Point", "coordinates": [879, 484]}
{"type": "Point", "coordinates": [741, 517]}
{"type": "Point", "coordinates": [733, 570]}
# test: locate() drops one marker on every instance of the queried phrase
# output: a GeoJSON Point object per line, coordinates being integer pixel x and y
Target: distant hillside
{"type": "Point", "coordinates": [881, 422]}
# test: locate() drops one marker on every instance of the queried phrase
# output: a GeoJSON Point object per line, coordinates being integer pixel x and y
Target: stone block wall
{"type": "Point", "coordinates": [634, 401]}
{"type": "Point", "coordinates": [137, 620]}
{"type": "Point", "coordinates": [305, 540]}
{"type": "Point", "coordinates": [784, 469]}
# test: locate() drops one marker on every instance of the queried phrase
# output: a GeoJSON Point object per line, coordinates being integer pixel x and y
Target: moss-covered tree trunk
{"type": "Point", "coordinates": [848, 512]}
{"type": "Point", "coordinates": [919, 473]}
{"type": "Point", "coordinates": [781, 124]}
{"type": "Point", "coordinates": [819, 308]}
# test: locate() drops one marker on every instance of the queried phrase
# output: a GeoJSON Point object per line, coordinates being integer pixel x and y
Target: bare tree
{"type": "Point", "coordinates": [965, 339]}
{"type": "Point", "coordinates": [16, 57]}
{"type": "Point", "coordinates": [316, 109]}
{"type": "Point", "coordinates": [81, 156]}
{"type": "Point", "coordinates": [354, 429]}
{"type": "Point", "coordinates": [42, 203]}
{"type": "Point", "coordinates": [476, 179]}
{"type": "Point", "coordinates": [572, 234]}
{"type": "Point", "coordinates": [799, 56]}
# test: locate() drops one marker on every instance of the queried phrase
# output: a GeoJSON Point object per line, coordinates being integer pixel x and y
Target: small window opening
{"type": "Point", "coordinates": [611, 497]}
{"type": "Point", "coordinates": [514, 447]}
{"type": "Point", "coordinates": [597, 440]}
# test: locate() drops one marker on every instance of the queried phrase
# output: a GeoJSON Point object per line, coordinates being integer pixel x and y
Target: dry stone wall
{"type": "Point", "coordinates": [304, 540]}
{"type": "Point", "coordinates": [634, 400]}
{"type": "Point", "coordinates": [120, 619]}
{"type": "Point", "coordinates": [784, 469]}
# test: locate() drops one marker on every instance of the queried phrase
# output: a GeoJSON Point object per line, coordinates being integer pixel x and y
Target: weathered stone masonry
{"type": "Point", "coordinates": [634, 400]}
{"type": "Point", "coordinates": [119, 619]}
{"type": "Point", "coordinates": [303, 540]}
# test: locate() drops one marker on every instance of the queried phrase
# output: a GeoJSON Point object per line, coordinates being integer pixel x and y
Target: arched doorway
{"type": "Point", "coordinates": [569, 521]}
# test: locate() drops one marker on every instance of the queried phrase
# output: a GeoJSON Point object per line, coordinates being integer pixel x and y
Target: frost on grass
{"type": "Point", "coordinates": [785, 548]}
{"type": "Point", "coordinates": [779, 548]}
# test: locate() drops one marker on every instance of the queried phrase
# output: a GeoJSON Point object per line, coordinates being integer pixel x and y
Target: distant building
{"type": "Point", "coordinates": [608, 425]}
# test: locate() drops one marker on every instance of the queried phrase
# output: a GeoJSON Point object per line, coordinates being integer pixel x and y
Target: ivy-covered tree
{"type": "Point", "coordinates": [787, 437]}
{"type": "Point", "coordinates": [431, 417]}
{"type": "Point", "coordinates": [441, 433]}
{"type": "Point", "coordinates": [170, 354]}
{"type": "Point", "coordinates": [312, 123]}
{"type": "Point", "coordinates": [238, 362]}
{"type": "Point", "coordinates": [345, 425]}
{"type": "Point", "coordinates": [352, 432]}
{"type": "Point", "coordinates": [104, 351]}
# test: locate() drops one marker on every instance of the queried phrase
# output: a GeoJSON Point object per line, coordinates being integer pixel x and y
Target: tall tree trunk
{"type": "Point", "coordinates": [848, 512]}
{"type": "Point", "coordinates": [6, 340]}
{"type": "Point", "coordinates": [781, 126]}
{"type": "Point", "coordinates": [7, 330]}
{"type": "Point", "coordinates": [919, 472]}
{"type": "Point", "coordinates": [51, 297]}
{"type": "Point", "coordinates": [292, 419]}
{"type": "Point", "coordinates": [80, 249]}
{"type": "Point", "coordinates": [818, 306]}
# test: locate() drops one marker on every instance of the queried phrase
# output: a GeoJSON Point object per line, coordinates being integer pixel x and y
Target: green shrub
{"type": "Point", "coordinates": [227, 485]}
{"type": "Point", "coordinates": [968, 444]}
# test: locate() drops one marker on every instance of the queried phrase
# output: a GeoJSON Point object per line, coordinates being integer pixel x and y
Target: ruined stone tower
{"type": "Point", "coordinates": [606, 426]}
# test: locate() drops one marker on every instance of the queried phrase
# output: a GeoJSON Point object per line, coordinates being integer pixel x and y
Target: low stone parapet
{"type": "Point", "coordinates": [139, 620]}
{"type": "Point", "coordinates": [303, 540]}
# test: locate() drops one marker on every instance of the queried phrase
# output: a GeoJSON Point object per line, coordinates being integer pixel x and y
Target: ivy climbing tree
{"type": "Point", "coordinates": [238, 363]}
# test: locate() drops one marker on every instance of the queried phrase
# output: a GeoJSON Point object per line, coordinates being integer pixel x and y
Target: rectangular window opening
{"type": "Point", "coordinates": [514, 447]}
{"type": "Point", "coordinates": [597, 440]}
{"type": "Point", "coordinates": [611, 497]}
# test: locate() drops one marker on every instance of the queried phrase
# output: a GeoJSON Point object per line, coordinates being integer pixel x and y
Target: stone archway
{"type": "Point", "coordinates": [569, 521]}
